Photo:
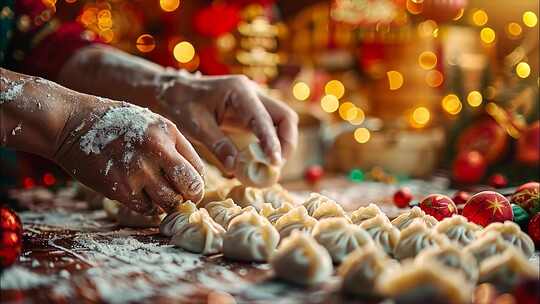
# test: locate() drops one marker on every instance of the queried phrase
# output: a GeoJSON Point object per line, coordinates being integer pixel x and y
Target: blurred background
{"type": "Point", "coordinates": [386, 89]}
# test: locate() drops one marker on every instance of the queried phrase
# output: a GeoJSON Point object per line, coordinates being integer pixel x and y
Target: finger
{"type": "Point", "coordinates": [183, 177]}
{"type": "Point", "coordinates": [139, 202]}
{"type": "Point", "coordinates": [286, 121]}
{"type": "Point", "coordinates": [162, 194]}
{"type": "Point", "coordinates": [184, 147]}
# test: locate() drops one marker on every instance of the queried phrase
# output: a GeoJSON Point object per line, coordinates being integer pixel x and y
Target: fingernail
{"type": "Point", "coordinates": [276, 156]}
{"type": "Point", "coordinates": [229, 163]}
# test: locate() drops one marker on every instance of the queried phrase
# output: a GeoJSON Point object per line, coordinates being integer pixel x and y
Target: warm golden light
{"type": "Point", "coordinates": [434, 78]}
{"type": "Point", "coordinates": [427, 60]}
{"type": "Point", "coordinates": [183, 52]}
{"type": "Point", "coordinates": [451, 104]}
{"type": "Point", "coordinates": [420, 117]}
{"type": "Point", "coordinates": [169, 5]}
{"type": "Point", "coordinates": [346, 109]}
{"type": "Point", "coordinates": [523, 70]}
{"type": "Point", "coordinates": [107, 35]}
{"type": "Point", "coordinates": [487, 35]}
{"type": "Point", "coordinates": [335, 88]}
{"type": "Point", "coordinates": [395, 80]}
{"type": "Point", "coordinates": [480, 17]}
{"type": "Point", "coordinates": [362, 135]}
{"type": "Point", "coordinates": [414, 8]}
{"type": "Point", "coordinates": [514, 29]}
{"type": "Point", "coordinates": [530, 19]}
{"type": "Point", "coordinates": [427, 28]}
{"type": "Point", "coordinates": [474, 98]}
{"type": "Point", "coordinates": [145, 43]}
{"type": "Point", "coordinates": [329, 103]}
{"type": "Point", "coordinates": [459, 14]}
{"type": "Point", "coordinates": [301, 91]}
{"type": "Point", "coordinates": [226, 42]}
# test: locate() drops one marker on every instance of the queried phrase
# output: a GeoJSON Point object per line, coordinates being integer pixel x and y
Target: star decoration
{"type": "Point", "coordinates": [495, 205]}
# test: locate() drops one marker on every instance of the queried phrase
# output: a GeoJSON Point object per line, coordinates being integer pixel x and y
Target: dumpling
{"type": "Point", "coordinates": [250, 237]}
{"type": "Point", "coordinates": [273, 214]}
{"type": "Point", "coordinates": [382, 232]}
{"type": "Point", "coordinates": [505, 270]}
{"type": "Point", "coordinates": [247, 196]}
{"type": "Point", "coordinates": [428, 282]}
{"type": "Point", "coordinates": [223, 211]}
{"type": "Point", "coordinates": [458, 229]}
{"type": "Point", "coordinates": [329, 210]}
{"type": "Point", "coordinates": [200, 235]}
{"type": "Point", "coordinates": [253, 168]}
{"type": "Point", "coordinates": [296, 219]}
{"type": "Point", "coordinates": [365, 213]}
{"type": "Point", "coordinates": [276, 196]}
{"type": "Point", "coordinates": [511, 233]}
{"type": "Point", "coordinates": [487, 245]}
{"type": "Point", "coordinates": [361, 269]}
{"type": "Point", "coordinates": [300, 259]}
{"type": "Point", "coordinates": [451, 256]}
{"type": "Point", "coordinates": [174, 221]}
{"type": "Point", "coordinates": [415, 238]}
{"type": "Point", "coordinates": [404, 220]}
{"type": "Point", "coordinates": [314, 201]}
{"type": "Point", "coordinates": [340, 237]}
{"type": "Point", "coordinates": [129, 218]}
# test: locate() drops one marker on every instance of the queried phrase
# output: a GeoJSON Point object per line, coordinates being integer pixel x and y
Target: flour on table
{"type": "Point", "coordinates": [108, 166]}
{"type": "Point", "coordinates": [18, 277]}
{"type": "Point", "coordinates": [13, 91]}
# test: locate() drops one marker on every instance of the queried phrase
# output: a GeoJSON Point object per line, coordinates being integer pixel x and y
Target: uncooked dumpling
{"type": "Point", "coordinates": [382, 232]}
{"type": "Point", "coordinates": [273, 214]}
{"type": "Point", "coordinates": [176, 220]}
{"type": "Point", "coordinates": [415, 238]}
{"type": "Point", "coordinates": [340, 237]}
{"type": "Point", "coordinates": [253, 168]}
{"type": "Point", "coordinates": [276, 196]}
{"type": "Point", "coordinates": [361, 269]}
{"type": "Point", "coordinates": [512, 234]}
{"type": "Point", "coordinates": [328, 210]}
{"type": "Point", "coordinates": [458, 229]}
{"type": "Point", "coordinates": [451, 256]}
{"type": "Point", "coordinates": [505, 270]}
{"type": "Point", "coordinates": [365, 213]}
{"type": "Point", "coordinates": [487, 245]}
{"type": "Point", "coordinates": [301, 260]}
{"type": "Point", "coordinates": [250, 237]}
{"type": "Point", "coordinates": [223, 211]}
{"type": "Point", "coordinates": [247, 196]}
{"type": "Point", "coordinates": [404, 220]}
{"type": "Point", "coordinates": [314, 201]}
{"type": "Point", "coordinates": [296, 219]}
{"type": "Point", "coordinates": [200, 235]}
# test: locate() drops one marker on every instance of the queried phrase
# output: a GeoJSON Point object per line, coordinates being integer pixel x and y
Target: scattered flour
{"type": "Point", "coordinates": [108, 166]}
{"type": "Point", "coordinates": [14, 91]}
{"type": "Point", "coordinates": [18, 277]}
{"type": "Point", "coordinates": [16, 129]}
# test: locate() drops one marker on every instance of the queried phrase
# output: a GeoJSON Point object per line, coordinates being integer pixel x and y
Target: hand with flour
{"type": "Point", "coordinates": [126, 152]}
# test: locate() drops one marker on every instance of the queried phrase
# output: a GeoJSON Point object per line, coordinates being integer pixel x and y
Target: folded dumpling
{"type": "Point", "coordinates": [300, 259]}
{"type": "Point", "coordinates": [451, 256]}
{"type": "Point", "coordinates": [247, 196]}
{"type": "Point", "coordinates": [250, 237]}
{"type": "Point", "coordinates": [382, 232]}
{"type": "Point", "coordinates": [512, 234]}
{"type": "Point", "coordinates": [365, 213]}
{"type": "Point", "coordinates": [361, 269]}
{"type": "Point", "coordinates": [295, 219]}
{"type": "Point", "coordinates": [329, 210]}
{"type": "Point", "coordinates": [487, 245]}
{"type": "Point", "coordinates": [458, 229]}
{"type": "Point", "coordinates": [276, 196]}
{"type": "Point", "coordinates": [253, 168]}
{"type": "Point", "coordinates": [314, 201]}
{"type": "Point", "coordinates": [340, 237]}
{"type": "Point", "coordinates": [200, 235]}
{"type": "Point", "coordinates": [223, 211]}
{"type": "Point", "coordinates": [404, 220]}
{"type": "Point", "coordinates": [175, 221]}
{"type": "Point", "coordinates": [415, 238]}
{"type": "Point", "coordinates": [273, 214]}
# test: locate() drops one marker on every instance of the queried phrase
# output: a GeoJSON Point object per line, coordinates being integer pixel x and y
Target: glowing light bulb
{"type": "Point", "coordinates": [474, 98]}
{"type": "Point", "coordinates": [335, 87]}
{"type": "Point", "coordinates": [169, 5]}
{"type": "Point", "coordinates": [487, 35]}
{"type": "Point", "coordinates": [530, 19]}
{"type": "Point", "coordinates": [523, 70]}
{"type": "Point", "coordinates": [301, 91]}
{"type": "Point", "coordinates": [395, 80]}
{"type": "Point", "coordinates": [329, 103]}
{"type": "Point", "coordinates": [362, 135]}
{"type": "Point", "coordinates": [427, 60]}
{"type": "Point", "coordinates": [183, 52]}
{"type": "Point", "coordinates": [480, 17]}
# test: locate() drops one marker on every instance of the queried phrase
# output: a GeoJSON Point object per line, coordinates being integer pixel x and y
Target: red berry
{"type": "Point", "coordinates": [461, 197]}
{"type": "Point", "coordinates": [534, 229]}
{"type": "Point", "coordinates": [498, 181]}
{"type": "Point", "coordinates": [313, 174]}
{"type": "Point", "coordinates": [439, 206]}
{"type": "Point", "coordinates": [403, 197]}
{"type": "Point", "coordinates": [469, 167]}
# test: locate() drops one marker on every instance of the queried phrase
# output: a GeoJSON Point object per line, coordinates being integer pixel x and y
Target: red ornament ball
{"type": "Point", "coordinates": [487, 207]}
{"type": "Point", "coordinates": [527, 196]}
{"type": "Point", "coordinates": [439, 206]}
{"type": "Point", "coordinates": [498, 181]}
{"type": "Point", "coordinates": [469, 167]}
{"type": "Point", "coordinates": [10, 237]}
{"type": "Point", "coordinates": [313, 174]}
{"type": "Point", "coordinates": [528, 145]}
{"type": "Point", "coordinates": [485, 136]}
{"type": "Point", "coordinates": [534, 229]}
{"type": "Point", "coordinates": [461, 197]}
{"type": "Point", "coordinates": [403, 197]}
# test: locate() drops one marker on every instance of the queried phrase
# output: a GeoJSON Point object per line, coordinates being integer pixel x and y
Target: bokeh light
{"type": "Point", "coordinates": [145, 43]}
{"type": "Point", "coordinates": [413, 7]}
{"type": "Point", "coordinates": [184, 52]}
{"type": "Point", "coordinates": [301, 90]}
{"type": "Point", "coordinates": [427, 60]}
{"type": "Point", "coordinates": [395, 80]}
{"type": "Point", "coordinates": [169, 5]}
{"type": "Point", "coordinates": [362, 135]}
{"type": "Point", "coordinates": [459, 14]}
{"type": "Point", "coordinates": [329, 103]}
{"type": "Point", "coordinates": [451, 104]}
{"type": "Point", "coordinates": [335, 88]}
{"type": "Point", "coordinates": [530, 19]}
{"type": "Point", "coordinates": [480, 17]}
{"type": "Point", "coordinates": [514, 29]}
{"type": "Point", "coordinates": [487, 35]}
{"type": "Point", "coordinates": [420, 117]}
{"type": "Point", "coordinates": [427, 28]}
{"type": "Point", "coordinates": [523, 70]}
{"type": "Point", "coordinates": [434, 78]}
{"type": "Point", "coordinates": [226, 42]}
{"type": "Point", "coordinates": [346, 110]}
{"type": "Point", "coordinates": [474, 99]}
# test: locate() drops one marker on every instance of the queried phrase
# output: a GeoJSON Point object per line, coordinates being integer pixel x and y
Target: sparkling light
{"type": "Point", "coordinates": [487, 35]}
{"type": "Point", "coordinates": [523, 70]}
{"type": "Point", "coordinates": [480, 17]}
{"type": "Point", "coordinates": [169, 5]}
{"type": "Point", "coordinates": [514, 29]}
{"type": "Point", "coordinates": [395, 80]}
{"type": "Point", "coordinates": [335, 88]}
{"type": "Point", "coordinates": [184, 52]}
{"type": "Point", "coordinates": [427, 60]}
{"type": "Point", "coordinates": [329, 103]}
{"type": "Point", "coordinates": [301, 91]}
{"type": "Point", "coordinates": [451, 104]}
{"type": "Point", "coordinates": [530, 19]}
{"type": "Point", "coordinates": [346, 109]}
{"type": "Point", "coordinates": [420, 117]}
{"type": "Point", "coordinates": [474, 98]}
{"type": "Point", "coordinates": [145, 43]}
{"type": "Point", "coordinates": [434, 78]}
{"type": "Point", "coordinates": [362, 135]}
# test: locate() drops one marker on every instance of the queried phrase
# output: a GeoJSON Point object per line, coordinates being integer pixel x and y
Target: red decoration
{"type": "Point", "coordinates": [216, 20]}
{"type": "Point", "coordinates": [10, 237]}
{"type": "Point", "coordinates": [442, 10]}
{"type": "Point", "coordinates": [528, 146]}
{"type": "Point", "coordinates": [403, 197]}
{"type": "Point", "coordinates": [486, 137]}
{"type": "Point", "coordinates": [461, 197]}
{"type": "Point", "coordinates": [210, 63]}
{"type": "Point", "coordinates": [487, 207]}
{"type": "Point", "coordinates": [439, 206]}
{"type": "Point", "coordinates": [527, 196]}
{"type": "Point", "coordinates": [314, 174]}
{"type": "Point", "coordinates": [498, 181]}
{"type": "Point", "coordinates": [469, 167]}
{"type": "Point", "coordinates": [534, 229]}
